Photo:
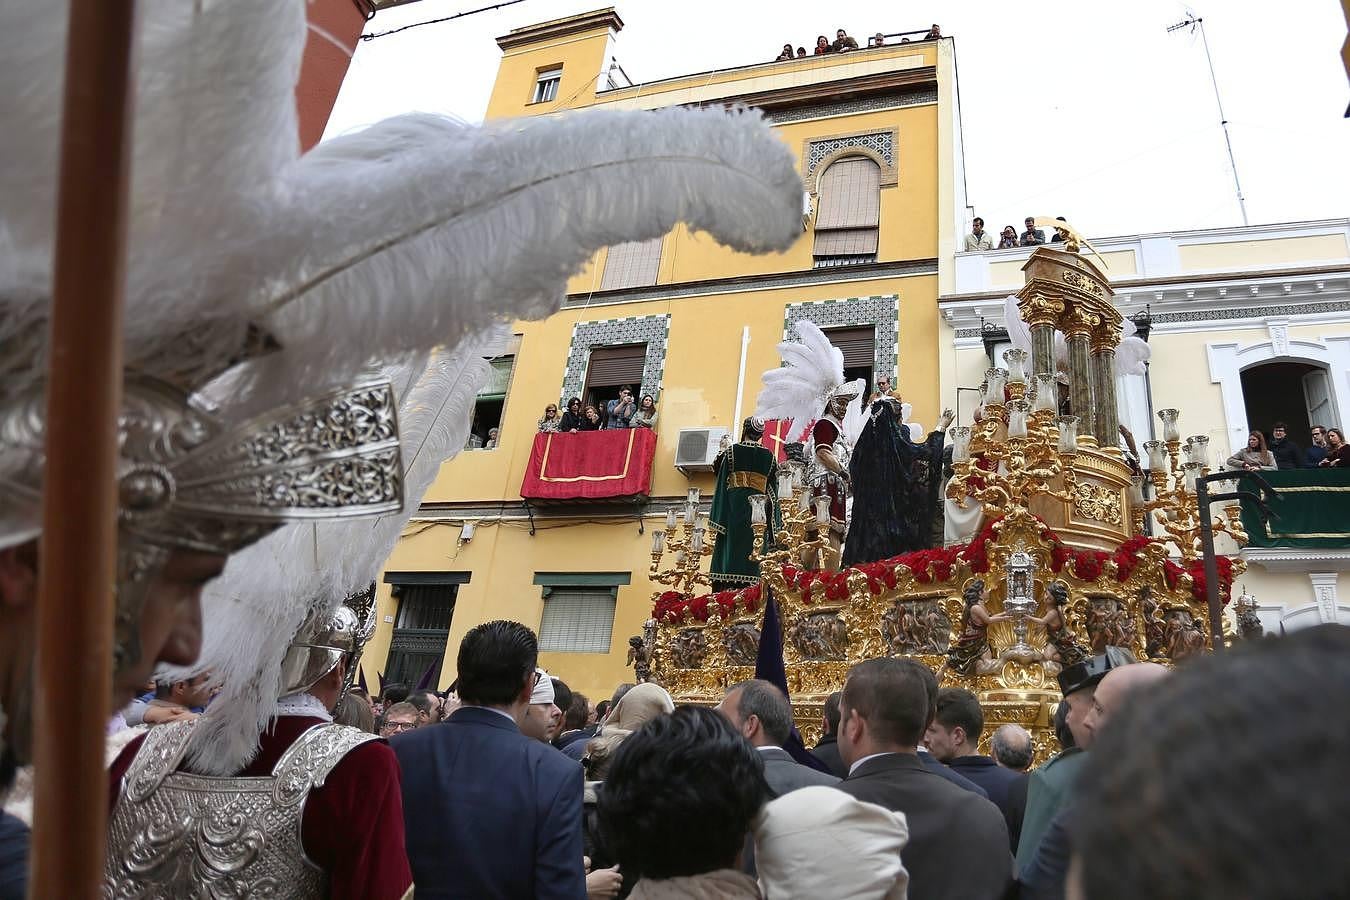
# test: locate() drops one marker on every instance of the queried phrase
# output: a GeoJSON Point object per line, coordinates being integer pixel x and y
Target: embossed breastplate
{"type": "Point", "coordinates": [178, 835]}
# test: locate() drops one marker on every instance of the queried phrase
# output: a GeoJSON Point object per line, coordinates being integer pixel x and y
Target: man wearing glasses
{"type": "Point", "coordinates": [1314, 455]}
{"type": "Point", "coordinates": [399, 718]}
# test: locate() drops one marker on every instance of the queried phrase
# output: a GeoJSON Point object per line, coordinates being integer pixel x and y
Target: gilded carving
{"type": "Point", "coordinates": [1082, 283]}
{"type": "Point", "coordinates": [741, 640]}
{"type": "Point", "coordinates": [920, 627]}
{"type": "Point", "coordinates": [820, 635]}
{"type": "Point", "coordinates": [1093, 501]}
{"type": "Point", "coordinates": [689, 649]}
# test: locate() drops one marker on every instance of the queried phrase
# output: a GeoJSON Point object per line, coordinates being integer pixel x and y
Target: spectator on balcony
{"type": "Point", "coordinates": [934, 33]}
{"type": "Point", "coordinates": [801, 52]}
{"type": "Point", "coordinates": [590, 420]}
{"type": "Point", "coordinates": [619, 412]}
{"type": "Point", "coordinates": [550, 420]}
{"type": "Point", "coordinates": [493, 434]}
{"type": "Point", "coordinates": [786, 54]}
{"type": "Point", "coordinates": [645, 417]}
{"type": "Point", "coordinates": [979, 239]}
{"type": "Point", "coordinates": [1254, 457]}
{"type": "Point", "coordinates": [1338, 451]}
{"type": "Point", "coordinates": [1318, 451]}
{"type": "Point", "coordinates": [1288, 455]}
{"type": "Point", "coordinates": [573, 419]}
{"type": "Point", "coordinates": [1008, 239]}
{"type": "Point", "coordinates": [823, 45]}
{"type": "Point", "coordinates": [843, 43]}
{"type": "Point", "coordinates": [1033, 235]}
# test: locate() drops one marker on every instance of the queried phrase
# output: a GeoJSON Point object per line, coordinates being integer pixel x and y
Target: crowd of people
{"type": "Point", "coordinates": [842, 43]}
{"type": "Point", "coordinates": [624, 411]}
{"type": "Point", "coordinates": [979, 239]}
{"type": "Point", "coordinates": [1327, 449]}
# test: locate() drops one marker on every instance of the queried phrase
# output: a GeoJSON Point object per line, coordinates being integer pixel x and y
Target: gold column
{"type": "Point", "coordinates": [1106, 417]}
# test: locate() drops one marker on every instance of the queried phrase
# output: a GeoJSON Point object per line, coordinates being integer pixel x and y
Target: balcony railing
{"type": "Point", "coordinates": [1313, 511]}
{"type": "Point", "coordinates": [590, 466]}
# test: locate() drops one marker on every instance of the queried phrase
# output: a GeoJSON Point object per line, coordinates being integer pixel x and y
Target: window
{"type": "Point", "coordinates": [578, 610]}
{"type": "Point", "coordinates": [546, 85]}
{"type": "Point", "coordinates": [611, 368]}
{"type": "Point", "coordinates": [633, 264]}
{"type": "Point", "coordinates": [858, 344]}
{"type": "Point", "coordinates": [850, 213]}
{"type": "Point", "coordinates": [426, 604]}
{"type": "Point", "coordinates": [490, 404]}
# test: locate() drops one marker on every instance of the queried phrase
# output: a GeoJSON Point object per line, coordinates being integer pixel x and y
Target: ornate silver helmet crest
{"type": "Point", "coordinates": [327, 638]}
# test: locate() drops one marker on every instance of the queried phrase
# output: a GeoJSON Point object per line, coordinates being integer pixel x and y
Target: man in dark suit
{"type": "Point", "coordinates": [492, 814]}
{"type": "Point", "coordinates": [958, 843]}
{"type": "Point", "coordinates": [954, 738]}
{"type": "Point", "coordinates": [763, 716]}
{"type": "Point", "coordinates": [827, 751]}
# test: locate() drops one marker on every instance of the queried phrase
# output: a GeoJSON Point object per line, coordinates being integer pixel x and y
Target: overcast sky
{"type": "Point", "coordinates": [1081, 108]}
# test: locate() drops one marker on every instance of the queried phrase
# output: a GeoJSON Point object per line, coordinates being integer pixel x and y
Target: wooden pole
{"type": "Point", "coordinates": [77, 570]}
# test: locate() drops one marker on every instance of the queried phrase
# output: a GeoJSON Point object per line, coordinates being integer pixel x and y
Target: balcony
{"type": "Point", "coordinates": [1313, 524]}
{"type": "Point", "coordinates": [590, 467]}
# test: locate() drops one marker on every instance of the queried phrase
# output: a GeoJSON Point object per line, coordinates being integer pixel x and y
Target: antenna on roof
{"type": "Point", "coordinates": [1194, 22]}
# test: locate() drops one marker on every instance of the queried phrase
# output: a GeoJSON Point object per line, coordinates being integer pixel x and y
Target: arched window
{"type": "Point", "coordinates": [849, 213]}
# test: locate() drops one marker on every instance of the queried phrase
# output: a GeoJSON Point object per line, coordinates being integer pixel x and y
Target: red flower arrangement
{"type": "Point", "coordinates": [938, 564]}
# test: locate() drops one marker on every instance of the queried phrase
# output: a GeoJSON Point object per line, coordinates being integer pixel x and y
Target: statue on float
{"type": "Point", "coordinates": [970, 653]}
{"type": "Point", "coordinates": [895, 483]}
{"type": "Point", "coordinates": [814, 374]}
{"type": "Point", "coordinates": [744, 470]}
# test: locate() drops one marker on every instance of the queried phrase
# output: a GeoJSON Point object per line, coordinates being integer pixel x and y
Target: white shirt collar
{"type": "Point", "coordinates": [853, 768]}
{"type": "Point", "coordinates": [501, 712]}
{"type": "Point", "coordinates": [303, 705]}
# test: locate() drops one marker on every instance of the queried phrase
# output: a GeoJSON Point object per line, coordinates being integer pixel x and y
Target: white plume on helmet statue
{"type": "Point", "coordinates": [812, 375]}
{"type": "Point", "coordinates": [259, 278]}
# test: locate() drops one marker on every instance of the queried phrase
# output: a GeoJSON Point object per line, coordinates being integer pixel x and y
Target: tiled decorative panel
{"type": "Point", "coordinates": [846, 107]}
{"type": "Point", "coordinates": [883, 311]}
{"type": "Point", "coordinates": [654, 331]}
{"type": "Point", "coordinates": [882, 143]}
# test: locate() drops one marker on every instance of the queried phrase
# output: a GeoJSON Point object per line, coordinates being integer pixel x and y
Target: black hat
{"type": "Point", "coordinates": [1087, 673]}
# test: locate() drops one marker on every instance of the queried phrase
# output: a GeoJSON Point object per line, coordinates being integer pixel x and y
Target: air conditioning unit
{"type": "Point", "coordinates": [698, 447]}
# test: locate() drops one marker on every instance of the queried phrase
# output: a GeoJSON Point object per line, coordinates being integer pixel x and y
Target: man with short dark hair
{"type": "Point", "coordinates": [1033, 235]}
{"type": "Point", "coordinates": [1313, 456]}
{"type": "Point", "coordinates": [395, 693]}
{"type": "Point", "coordinates": [502, 816]}
{"type": "Point", "coordinates": [1288, 455]}
{"type": "Point", "coordinates": [619, 411]}
{"type": "Point", "coordinates": [979, 239]}
{"type": "Point", "coordinates": [954, 738]}
{"type": "Point", "coordinates": [763, 716]}
{"type": "Point", "coordinates": [542, 714]}
{"type": "Point", "coordinates": [843, 43]}
{"type": "Point", "coordinates": [958, 842]}
{"type": "Point", "coordinates": [931, 762]}
{"type": "Point", "coordinates": [827, 751]}
{"type": "Point", "coordinates": [428, 704]}
{"type": "Point", "coordinates": [574, 723]}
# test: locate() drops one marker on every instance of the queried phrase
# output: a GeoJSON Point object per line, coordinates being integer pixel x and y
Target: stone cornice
{"type": "Point", "coordinates": [546, 31]}
{"type": "Point", "coordinates": [1274, 559]}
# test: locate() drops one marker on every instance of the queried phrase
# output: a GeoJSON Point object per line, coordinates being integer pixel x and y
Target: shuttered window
{"type": "Point", "coordinates": [546, 85]}
{"type": "Point", "coordinates": [633, 264]}
{"type": "Point", "coordinates": [614, 366]}
{"type": "Point", "coordinates": [849, 216]}
{"type": "Point", "coordinates": [857, 344]}
{"type": "Point", "coordinates": [577, 619]}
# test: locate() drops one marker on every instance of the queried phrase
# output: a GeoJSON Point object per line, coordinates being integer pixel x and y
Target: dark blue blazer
{"type": "Point", "coordinates": [944, 771]}
{"type": "Point", "coordinates": [490, 814]}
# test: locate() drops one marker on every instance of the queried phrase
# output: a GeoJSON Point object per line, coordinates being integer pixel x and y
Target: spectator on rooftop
{"type": "Point", "coordinates": [1008, 239]}
{"type": "Point", "coordinates": [979, 239]}
{"type": "Point", "coordinates": [878, 40]}
{"type": "Point", "coordinates": [823, 45]}
{"type": "Point", "coordinates": [786, 54]}
{"type": "Point", "coordinates": [1059, 232]}
{"type": "Point", "coordinates": [934, 33]}
{"type": "Point", "coordinates": [843, 43]}
{"type": "Point", "coordinates": [801, 51]}
{"type": "Point", "coordinates": [1033, 235]}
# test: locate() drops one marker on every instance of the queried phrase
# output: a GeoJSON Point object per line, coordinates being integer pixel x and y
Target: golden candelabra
{"type": "Point", "coordinates": [1028, 450]}
{"type": "Point", "coordinates": [1173, 482]}
{"type": "Point", "coordinates": [802, 535]}
{"type": "Point", "coordinates": [686, 538]}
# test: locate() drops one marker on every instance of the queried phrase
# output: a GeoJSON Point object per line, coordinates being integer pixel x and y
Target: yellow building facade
{"type": "Point", "coordinates": [881, 123]}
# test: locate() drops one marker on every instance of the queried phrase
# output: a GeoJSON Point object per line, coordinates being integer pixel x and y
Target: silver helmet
{"type": "Point", "coordinates": [327, 638]}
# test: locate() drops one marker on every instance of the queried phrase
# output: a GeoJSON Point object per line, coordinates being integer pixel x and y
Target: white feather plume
{"type": "Point", "coordinates": [268, 591]}
{"type": "Point", "coordinates": [428, 225]}
{"type": "Point", "coordinates": [798, 390]}
{"type": "Point", "coordinates": [855, 417]}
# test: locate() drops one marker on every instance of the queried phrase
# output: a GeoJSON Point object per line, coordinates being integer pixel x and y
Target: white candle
{"type": "Point", "coordinates": [1068, 434]}
{"type": "Point", "coordinates": [1016, 360]}
{"type": "Point", "coordinates": [1047, 393]}
{"type": "Point", "coordinates": [961, 444]}
{"type": "Point", "coordinates": [1190, 471]}
{"type": "Point", "coordinates": [1137, 489]}
{"type": "Point", "coordinates": [822, 510]}
{"type": "Point", "coordinates": [670, 519]}
{"type": "Point", "coordinates": [1200, 449]}
{"type": "Point", "coordinates": [696, 544]}
{"type": "Point", "coordinates": [658, 542]}
{"type": "Point", "coordinates": [784, 484]}
{"type": "Point", "coordinates": [1157, 455]}
{"type": "Point", "coordinates": [693, 496]}
{"type": "Point", "coordinates": [757, 516]}
{"type": "Point", "coordinates": [995, 379]}
{"type": "Point", "coordinates": [1017, 419]}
